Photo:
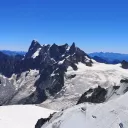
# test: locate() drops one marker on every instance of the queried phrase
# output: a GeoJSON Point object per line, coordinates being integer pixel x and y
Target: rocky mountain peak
{"type": "Point", "coordinates": [51, 61]}
{"type": "Point", "coordinates": [54, 51]}
{"type": "Point", "coordinates": [35, 44]}
{"type": "Point", "coordinates": [39, 57]}
{"type": "Point", "coordinates": [72, 48]}
{"type": "Point", "coordinates": [33, 48]}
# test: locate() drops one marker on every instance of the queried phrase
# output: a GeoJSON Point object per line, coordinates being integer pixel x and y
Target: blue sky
{"type": "Point", "coordinates": [94, 25]}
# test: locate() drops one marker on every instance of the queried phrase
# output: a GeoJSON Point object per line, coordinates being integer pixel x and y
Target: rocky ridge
{"type": "Point", "coordinates": [51, 63]}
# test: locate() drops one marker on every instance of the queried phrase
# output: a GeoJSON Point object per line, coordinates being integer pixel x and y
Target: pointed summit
{"type": "Point", "coordinates": [54, 51]}
{"type": "Point", "coordinates": [34, 45]}
{"type": "Point", "coordinates": [66, 45]}
{"type": "Point", "coordinates": [33, 48]}
{"type": "Point", "coordinates": [72, 48]}
{"type": "Point", "coordinates": [63, 48]}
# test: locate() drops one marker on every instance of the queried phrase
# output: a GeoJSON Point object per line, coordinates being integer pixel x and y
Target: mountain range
{"type": "Point", "coordinates": [66, 79]}
{"type": "Point", "coordinates": [102, 57]}
{"type": "Point", "coordinates": [109, 57]}
{"type": "Point", "coordinates": [13, 53]}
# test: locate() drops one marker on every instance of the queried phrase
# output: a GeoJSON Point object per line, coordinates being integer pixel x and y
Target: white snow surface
{"type": "Point", "coordinates": [104, 75]}
{"type": "Point", "coordinates": [112, 114]}
{"type": "Point", "coordinates": [22, 116]}
{"type": "Point", "coordinates": [36, 53]}
{"type": "Point", "coordinates": [61, 62]}
{"type": "Point", "coordinates": [14, 89]}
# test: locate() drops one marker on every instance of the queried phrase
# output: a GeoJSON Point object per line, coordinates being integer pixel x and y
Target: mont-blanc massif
{"type": "Point", "coordinates": [63, 63]}
{"type": "Point", "coordinates": [61, 86]}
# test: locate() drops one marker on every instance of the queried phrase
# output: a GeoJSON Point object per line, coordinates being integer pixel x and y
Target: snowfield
{"type": "Point", "coordinates": [22, 116]}
{"type": "Point", "coordinates": [112, 114]}
{"type": "Point", "coordinates": [14, 89]}
{"type": "Point", "coordinates": [104, 75]}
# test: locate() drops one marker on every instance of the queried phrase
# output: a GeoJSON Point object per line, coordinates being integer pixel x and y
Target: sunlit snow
{"type": "Point", "coordinates": [22, 116]}
{"type": "Point", "coordinates": [36, 53]}
{"type": "Point", "coordinates": [112, 114]}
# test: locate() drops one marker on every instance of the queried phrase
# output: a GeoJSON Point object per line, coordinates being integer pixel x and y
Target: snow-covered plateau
{"type": "Point", "coordinates": [104, 75]}
{"type": "Point", "coordinates": [22, 116]}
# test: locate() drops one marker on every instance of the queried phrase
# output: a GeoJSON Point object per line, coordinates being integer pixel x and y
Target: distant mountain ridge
{"type": "Point", "coordinates": [102, 57]}
{"type": "Point", "coordinates": [13, 53]}
{"type": "Point", "coordinates": [109, 57]}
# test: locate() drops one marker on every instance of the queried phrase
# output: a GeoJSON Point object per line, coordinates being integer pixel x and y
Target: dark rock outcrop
{"type": "Point", "coordinates": [42, 121]}
{"type": "Point", "coordinates": [100, 95]}
{"type": "Point", "coordinates": [124, 81]}
{"type": "Point", "coordinates": [124, 64]}
{"type": "Point", "coordinates": [8, 64]}
{"type": "Point", "coordinates": [72, 49]}
{"type": "Point", "coordinates": [96, 95]}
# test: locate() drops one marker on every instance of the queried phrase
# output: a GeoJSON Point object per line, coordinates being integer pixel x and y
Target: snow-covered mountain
{"type": "Point", "coordinates": [112, 114]}
{"type": "Point", "coordinates": [39, 74]}
{"type": "Point", "coordinates": [13, 53]}
{"type": "Point", "coordinates": [58, 77]}
{"type": "Point", "coordinates": [49, 74]}
{"type": "Point", "coordinates": [100, 108]}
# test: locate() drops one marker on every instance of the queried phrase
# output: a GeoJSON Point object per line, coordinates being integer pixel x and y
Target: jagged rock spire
{"type": "Point", "coordinates": [72, 48]}
{"type": "Point", "coordinates": [35, 44]}
{"type": "Point", "coordinates": [33, 48]}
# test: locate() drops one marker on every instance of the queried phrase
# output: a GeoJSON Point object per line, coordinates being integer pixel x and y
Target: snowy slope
{"type": "Point", "coordinates": [59, 74]}
{"type": "Point", "coordinates": [36, 53]}
{"type": "Point", "coordinates": [104, 75]}
{"type": "Point", "coordinates": [15, 88]}
{"type": "Point", "coordinates": [99, 74]}
{"type": "Point", "coordinates": [21, 116]}
{"type": "Point", "coordinates": [112, 114]}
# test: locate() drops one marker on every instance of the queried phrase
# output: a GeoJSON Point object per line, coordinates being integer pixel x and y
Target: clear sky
{"type": "Point", "coordinates": [94, 25]}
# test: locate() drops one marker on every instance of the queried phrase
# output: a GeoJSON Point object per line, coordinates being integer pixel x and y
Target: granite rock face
{"type": "Point", "coordinates": [96, 95]}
